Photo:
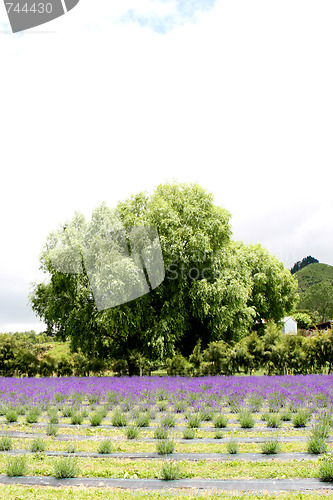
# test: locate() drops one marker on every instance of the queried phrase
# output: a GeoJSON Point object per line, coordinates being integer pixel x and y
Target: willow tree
{"type": "Point", "coordinates": [153, 276]}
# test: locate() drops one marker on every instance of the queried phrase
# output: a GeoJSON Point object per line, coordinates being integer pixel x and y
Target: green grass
{"type": "Point", "coordinates": [41, 465]}
{"type": "Point", "coordinates": [15, 492]}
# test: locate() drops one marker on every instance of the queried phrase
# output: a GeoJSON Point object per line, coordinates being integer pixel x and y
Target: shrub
{"type": "Point", "coordinates": [255, 402]}
{"type": "Point", "coordinates": [273, 420]}
{"type": "Point", "coordinates": [76, 418]}
{"type": "Point", "coordinates": [168, 421]}
{"type": "Point", "coordinates": [105, 447]}
{"type": "Point", "coordinates": [165, 447]}
{"type": "Point", "coordinates": [301, 418]}
{"type": "Point", "coordinates": [11, 415]}
{"type": "Point", "coordinates": [270, 447]}
{"type": "Point", "coordinates": [142, 420]}
{"type": "Point", "coordinates": [218, 435]}
{"type": "Point", "coordinates": [16, 465]}
{"type": "Point", "coordinates": [95, 419]}
{"type": "Point", "coordinates": [232, 447]}
{"type": "Point", "coordinates": [32, 415]}
{"type": "Point", "coordinates": [179, 406]}
{"type": "Point", "coordinates": [246, 419]}
{"type": "Point", "coordinates": [67, 411]}
{"type": "Point", "coordinates": [326, 469]}
{"type": "Point", "coordinates": [316, 445]}
{"type": "Point", "coordinates": [53, 417]}
{"type": "Point", "coordinates": [178, 366]}
{"type": "Point", "coordinates": [161, 433]}
{"type": "Point", "coordinates": [162, 405]}
{"type": "Point", "coordinates": [194, 421]}
{"type": "Point", "coordinates": [206, 415]}
{"type": "Point", "coordinates": [119, 419]}
{"type": "Point", "coordinates": [71, 448]}
{"type": "Point", "coordinates": [20, 409]}
{"type": "Point", "coordinates": [189, 433]}
{"type": "Point", "coordinates": [38, 444]}
{"type": "Point", "coordinates": [220, 421]}
{"type": "Point", "coordinates": [132, 432]}
{"type": "Point", "coordinates": [234, 405]}
{"type": "Point", "coordinates": [65, 467]}
{"type": "Point", "coordinates": [170, 471]}
{"type": "Point", "coordinates": [94, 398]}
{"type": "Point", "coordinates": [6, 443]}
{"type": "Point", "coordinates": [51, 429]}
{"type": "Point", "coordinates": [317, 442]}
{"type": "Point", "coordinates": [286, 416]}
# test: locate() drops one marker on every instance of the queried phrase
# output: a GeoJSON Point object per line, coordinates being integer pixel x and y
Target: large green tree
{"type": "Point", "coordinates": [213, 289]}
{"type": "Point", "coordinates": [319, 300]}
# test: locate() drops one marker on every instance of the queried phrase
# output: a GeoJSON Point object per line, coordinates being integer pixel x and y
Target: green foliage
{"type": "Point", "coordinates": [246, 419]}
{"type": "Point", "coordinates": [270, 446]}
{"type": "Point", "coordinates": [51, 429]}
{"type": "Point", "coordinates": [189, 433]}
{"type": "Point", "coordinates": [76, 418]}
{"type": "Point", "coordinates": [71, 448]}
{"type": "Point", "coordinates": [16, 466]}
{"type": "Point", "coordinates": [132, 432]}
{"type": "Point", "coordinates": [326, 469]}
{"type": "Point", "coordinates": [165, 447]}
{"type": "Point", "coordinates": [37, 445]}
{"type": "Point", "coordinates": [214, 289]}
{"type": "Point", "coordinates": [105, 447]}
{"type": "Point", "coordinates": [32, 415]}
{"type": "Point", "coordinates": [161, 433]}
{"type": "Point", "coordinates": [304, 319]}
{"type": "Point", "coordinates": [118, 419]}
{"type": "Point", "coordinates": [319, 300]}
{"type": "Point", "coordinates": [312, 274]}
{"type": "Point", "coordinates": [303, 263]}
{"type": "Point", "coordinates": [11, 415]}
{"type": "Point", "coordinates": [6, 443]}
{"type": "Point", "coordinates": [170, 471]}
{"type": "Point", "coordinates": [168, 421]}
{"type": "Point", "coordinates": [220, 421]}
{"type": "Point", "coordinates": [232, 446]}
{"type": "Point", "coordinates": [53, 416]}
{"type": "Point", "coordinates": [194, 421]}
{"type": "Point", "coordinates": [178, 366]}
{"type": "Point", "coordinates": [273, 420]}
{"type": "Point", "coordinates": [47, 366]}
{"type": "Point", "coordinates": [96, 419]}
{"type": "Point", "coordinates": [142, 420]}
{"type": "Point", "coordinates": [301, 418]}
{"type": "Point", "coordinates": [65, 467]}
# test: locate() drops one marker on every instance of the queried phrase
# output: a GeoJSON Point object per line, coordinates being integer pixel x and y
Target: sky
{"type": "Point", "coordinates": [115, 98]}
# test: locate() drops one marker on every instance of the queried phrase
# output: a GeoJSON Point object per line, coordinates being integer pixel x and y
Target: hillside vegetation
{"type": "Point", "coordinates": [312, 275]}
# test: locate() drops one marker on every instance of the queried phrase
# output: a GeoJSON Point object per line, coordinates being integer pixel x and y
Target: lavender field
{"type": "Point", "coordinates": [314, 391]}
{"type": "Point", "coordinates": [212, 429]}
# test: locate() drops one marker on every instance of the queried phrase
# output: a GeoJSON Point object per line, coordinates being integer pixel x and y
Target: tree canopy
{"type": "Point", "coordinates": [211, 288]}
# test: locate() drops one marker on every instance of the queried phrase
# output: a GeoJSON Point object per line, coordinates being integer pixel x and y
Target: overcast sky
{"type": "Point", "coordinates": [119, 96]}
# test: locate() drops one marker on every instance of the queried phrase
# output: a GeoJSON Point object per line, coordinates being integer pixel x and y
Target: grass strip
{"type": "Point", "coordinates": [42, 465]}
{"type": "Point", "coordinates": [15, 492]}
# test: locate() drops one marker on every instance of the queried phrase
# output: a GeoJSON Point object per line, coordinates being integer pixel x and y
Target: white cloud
{"type": "Point", "coordinates": [240, 101]}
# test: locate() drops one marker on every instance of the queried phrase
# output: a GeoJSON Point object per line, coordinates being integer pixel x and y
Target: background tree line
{"type": "Point", "coordinates": [267, 352]}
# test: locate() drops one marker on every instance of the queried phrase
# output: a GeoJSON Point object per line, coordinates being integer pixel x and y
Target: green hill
{"type": "Point", "coordinates": [313, 274]}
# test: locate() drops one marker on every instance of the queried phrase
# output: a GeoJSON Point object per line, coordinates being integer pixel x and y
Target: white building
{"type": "Point", "coordinates": [289, 325]}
